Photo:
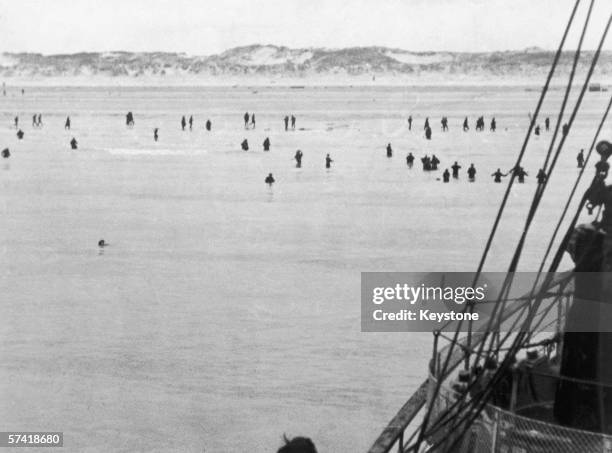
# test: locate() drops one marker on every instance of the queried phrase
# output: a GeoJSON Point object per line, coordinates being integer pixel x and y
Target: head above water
{"type": "Point", "coordinates": [297, 445]}
{"type": "Point", "coordinates": [102, 243]}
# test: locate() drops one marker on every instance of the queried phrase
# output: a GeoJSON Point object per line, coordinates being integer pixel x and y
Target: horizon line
{"type": "Point", "coordinates": [372, 46]}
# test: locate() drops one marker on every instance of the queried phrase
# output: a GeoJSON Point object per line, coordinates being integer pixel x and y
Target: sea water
{"type": "Point", "coordinates": [224, 312]}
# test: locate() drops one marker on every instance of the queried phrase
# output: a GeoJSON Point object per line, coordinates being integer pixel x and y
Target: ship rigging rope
{"type": "Point", "coordinates": [478, 403]}
{"type": "Point", "coordinates": [427, 415]}
{"type": "Point", "coordinates": [519, 341]}
{"type": "Point", "coordinates": [461, 403]}
{"type": "Point", "coordinates": [481, 401]}
{"type": "Point", "coordinates": [540, 190]}
{"type": "Point", "coordinates": [545, 342]}
{"type": "Point", "coordinates": [539, 193]}
{"type": "Point", "coordinates": [573, 192]}
{"type": "Point", "coordinates": [572, 225]}
{"type": "Point", "coordinates": [563, 246]}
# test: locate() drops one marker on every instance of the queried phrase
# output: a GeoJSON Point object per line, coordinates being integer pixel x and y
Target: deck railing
{"type": "Point", "coordinates": [394, 437]}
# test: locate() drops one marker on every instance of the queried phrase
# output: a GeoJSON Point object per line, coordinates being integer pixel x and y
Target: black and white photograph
{"type": "Point", "coordinates": [288, 226]}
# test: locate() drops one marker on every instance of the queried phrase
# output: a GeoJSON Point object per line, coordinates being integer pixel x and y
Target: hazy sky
{"type": "Point", "coordinates": [206, 27]}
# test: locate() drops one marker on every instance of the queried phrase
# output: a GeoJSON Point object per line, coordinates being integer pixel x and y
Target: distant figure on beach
{"type": "Point", "coordinates": [286, 120]}
{"type": "Point", "coordinates": [428, 133]}
{"type": "Point", "coordinates": [73, 143]}
{"type": "Point", "coordinates": [520, 173]}
{"type": "Point", "coordinates": [466, 126]}
{"type": "Point", "coordinates": [456, 167]}
{"type": "Point", "coordinates": [34, 122]}
{"type": "Point", "coordinates": [434, 162]}
{"type": "Point", "coordinates": [246, 120]}
{"type": "Point", "coordinates": [498, 176]}
{"type": "Point", "coordinates": [297, 445]}
{"type": "Point", "coordinates": [67, 124]}
{"type": "Point", "coordinates": [409, 160]}
{"type": "Point", "coordinates": [292, 122]}
{"type": "Point", "coordinates": [541, 177]}
{"type": "Point", "coordinates": [269, 179]}
{"type": "Point", "coordinates": [129, 119]}
{"type": "Point", "coordinates": [16, 122]}
{"type": "Point", "coordinates": [253, 120]}
{"type": "Point", "coordinates": [547, 124]}
{"type": "Point", "coordinates": [493, 124]}
{"type": "Point", "coordinates": [389, 150]}
{"type": "Point", "coordinates": [20, 134]}
{"type": "Point", "coordinates": [208, 125]}
{"type": "Point", "coordinates": [446, 175]}
{"type": "Point", "coordinates": [245, 145]}
{"type": "Point", "coordinates": [444, 122]}
{"type": "Point", "coordinates": [190, 122]}
{"type": "Point", "coordinates": [155, 135]}
{"type": "Point", "coordinates": [266, 144]}
{"type": "Point", "coordinates": [183, 122]}
{"type": "Point", "coordinates": [410, 123]}
{"type": "Point", "coordinates": [39, 122]}
{"type": "Point", "coordinates": [426, 161]}
{"type": "Point", "coordinates": [328, 161]}
{"type": "Point", "coordinates": [426, 125]}
{"type": "Point", "coordinates": [6, 153]}
{"type": "Point", "coordinates": [22, 91]}
{"type": "Point", "coordinates": [537, 130]}
{"type": "Point", "coordinates": [565, 129]}
{"type": "Point", "coordinates": [480, 123]}
{"type": "Point", "coordinates": [580, 158]}
{"type": "Point", "coordinates": [471, 173]}
{"type": "Point", "coordinates": [298, 159]}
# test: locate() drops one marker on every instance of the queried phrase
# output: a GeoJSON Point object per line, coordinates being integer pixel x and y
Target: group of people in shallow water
{"type": "Point", "coordinates": [184, 122]}
{"type": "Point", "coordinates": [538, 129]}
{"type": "Point", "coordinates": [265, 144]}
{"type": "Point", "coordinates": [520, 173]}
{"type": "Point", "coordinates": [20, 133]}
{"type": "Point", "coordinates": [480, 124]}
{"type": "Point", "coordinates": [429, 163]}
{"type": "Point", "coordinates": [286, 121]}
{"type": "Point", "coordinates": [298, 164]}
{"type": "Point", "coordinates": [36, 120]}
{"type": "Point", "coordinates": [249, 120]}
